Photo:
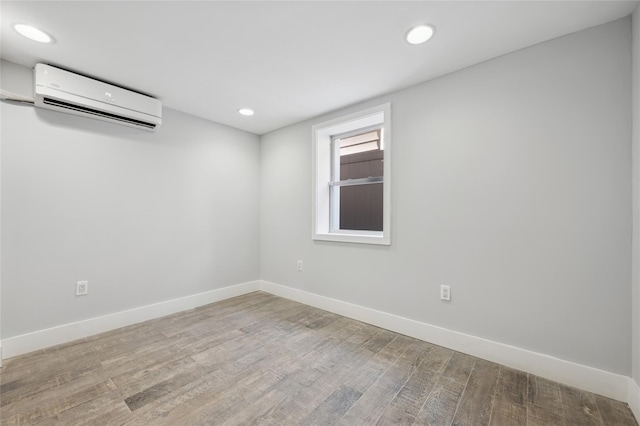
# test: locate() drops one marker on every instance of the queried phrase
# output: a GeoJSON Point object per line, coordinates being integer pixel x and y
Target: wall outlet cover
{"type": "Point", "coordinates": [82, 288]}
{"type": "Point", "coordinates": [445, 293]}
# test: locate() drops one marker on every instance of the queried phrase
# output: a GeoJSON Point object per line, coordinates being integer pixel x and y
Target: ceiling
{"type": "Point", "coordinates": [287, 60]}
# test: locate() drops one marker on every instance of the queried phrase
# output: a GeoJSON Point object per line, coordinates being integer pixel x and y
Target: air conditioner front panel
{"type": "Point", "coordinates": [64, 91]}
{"type": "Point", "coordinates": [43, 94]}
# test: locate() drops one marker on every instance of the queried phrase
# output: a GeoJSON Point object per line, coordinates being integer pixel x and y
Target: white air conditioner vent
{"type": "Point", "coordinates": [64, 91]}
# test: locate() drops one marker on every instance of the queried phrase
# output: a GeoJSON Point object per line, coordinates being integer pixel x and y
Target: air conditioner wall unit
{"type": "Point", "coordinates": [64, 91]}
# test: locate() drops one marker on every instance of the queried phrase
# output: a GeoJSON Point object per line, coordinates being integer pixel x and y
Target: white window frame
{"type": "Point", "coordinates": [321, 175]}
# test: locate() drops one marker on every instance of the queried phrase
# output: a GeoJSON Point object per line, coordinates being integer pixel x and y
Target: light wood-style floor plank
{"type": "Point", "coordinates": [261, 359]}
{"type": "Point", "coordinates": [476, 402]}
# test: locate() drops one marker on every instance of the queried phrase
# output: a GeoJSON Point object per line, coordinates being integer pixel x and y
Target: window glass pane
{"type": "Point", "coordinates": [369, 141]}
{"type": "Point", "coordinates": [362, 165]}
{"type": "Point", "coordinates": [361, 207]}
{"type": "Point", "coordinates": [361, 147]}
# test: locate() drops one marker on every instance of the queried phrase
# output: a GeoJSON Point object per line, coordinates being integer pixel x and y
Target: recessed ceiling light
{"type": "Point", "coordinates": [420, 34]}
{"type": "Point", "coordinates": [33, 33]}
{"type": "Point", "coordinates": [245, 111]}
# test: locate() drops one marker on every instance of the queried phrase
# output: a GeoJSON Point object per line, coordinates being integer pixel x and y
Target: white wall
{"type": "Point", "coordinates": [511, 183]}
{"type": "Point", "coordinates": [636, 198]}
{"type": "Point", "coordinates": [144, 217]}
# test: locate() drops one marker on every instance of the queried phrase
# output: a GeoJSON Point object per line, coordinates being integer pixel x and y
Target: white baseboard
{"type": "Point", "coordinates": [40, 339]}
{"type": "Point", "coordinates": [634, 398]}
{"type": "Point", "coordinates": [590, 379]}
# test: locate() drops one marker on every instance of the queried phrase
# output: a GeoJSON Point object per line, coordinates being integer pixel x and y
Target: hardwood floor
{"type": "Point", "coordinates": [260, 359]}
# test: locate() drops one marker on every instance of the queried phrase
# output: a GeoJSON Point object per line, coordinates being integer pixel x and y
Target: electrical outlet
{"type": "Point", "coordinates": [82, 288]}
{"type": "Point", "coordinates": [445, 293]}
{"type": "Point", "coordinates": [299, 267]}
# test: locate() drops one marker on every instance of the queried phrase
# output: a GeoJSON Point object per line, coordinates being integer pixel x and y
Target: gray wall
{"type": "Point", "coordinates": [144, 217]}
{"type": "Point", "coordinates": [636, 197]}
{"type": "Point", "coordinates": [511, 183]}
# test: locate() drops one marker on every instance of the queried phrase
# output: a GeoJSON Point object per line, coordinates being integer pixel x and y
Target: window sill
{"type": "Point", "coordinates": [345, 237]}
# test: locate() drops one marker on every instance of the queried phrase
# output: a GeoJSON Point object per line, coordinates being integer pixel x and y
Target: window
{"type": "Point", "coordinates": [357, 181]}
{"type": "Point", "coordinates": [351, 171]}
